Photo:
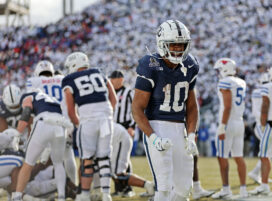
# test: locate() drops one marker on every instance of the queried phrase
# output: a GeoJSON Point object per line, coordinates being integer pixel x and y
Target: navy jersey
{"type": "Point", "coordinates": [88, 86]}
{"type": "Point", "coordinates": [169, 87]}
{"type": "Point", "coordinates": [11, 118]}
{"type": "Point", "coordinates": [42, 103]}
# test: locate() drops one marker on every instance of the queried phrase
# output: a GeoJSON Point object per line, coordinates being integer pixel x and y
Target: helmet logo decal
{"type": "Point", "coordinates": [159, 31]}
{"type": "Point", "coordinates": [11, 94]}
{"type": "Point", "coordinates": [178, 27]}
{"type": "Point", "coordinates": [224, 62]}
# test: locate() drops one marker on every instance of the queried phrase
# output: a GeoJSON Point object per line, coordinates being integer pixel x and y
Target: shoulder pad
{"type": "Point", "coordinates": [147, 65]}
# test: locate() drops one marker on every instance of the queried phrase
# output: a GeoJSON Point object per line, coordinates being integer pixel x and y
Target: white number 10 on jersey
{"type": "Point", "coordinates": [167, 97]}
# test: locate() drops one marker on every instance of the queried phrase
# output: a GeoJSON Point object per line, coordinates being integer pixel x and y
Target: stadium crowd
{"type": "Point", "coordinates": [115, 34]}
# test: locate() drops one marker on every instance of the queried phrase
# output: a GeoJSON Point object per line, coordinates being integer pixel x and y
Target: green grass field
{"type": "Point", "coordinates": [208, 172]}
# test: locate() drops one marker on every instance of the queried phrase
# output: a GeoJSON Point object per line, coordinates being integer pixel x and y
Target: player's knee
{"type": "Point", "coordinates": [87, 168]}
{"type": "Point", "coordinates": [104, 166]}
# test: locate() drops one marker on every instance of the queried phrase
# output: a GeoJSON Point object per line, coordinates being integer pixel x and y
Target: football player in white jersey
{"type": "Point", "coordinates": [50, 84]}
{"type": "Point", "coordinates": [256, 101]}
{"type": "Point", "coordinates": [230, 132]}
{"type": "Point", "coordinates": [95, 98]}
{"type": "Point", "coordinates": [265, 152]}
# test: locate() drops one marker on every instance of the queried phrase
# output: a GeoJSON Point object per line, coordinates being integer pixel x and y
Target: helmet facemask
{"type": "Point", "coordinates": [173, 56]}
{"type": "Point", "coordinates": [173, 32]}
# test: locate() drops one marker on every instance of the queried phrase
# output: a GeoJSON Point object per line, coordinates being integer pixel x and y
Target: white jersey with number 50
{"type": "Point", "coordinates": [237, 87]}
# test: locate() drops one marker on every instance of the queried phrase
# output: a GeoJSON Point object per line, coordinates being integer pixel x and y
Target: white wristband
{"type": "Point", "coordinates": [152, 137]}
{"type": "Point", "coordinates": [191, 136]}
{"type": "Point", "coordinates": [221, 128]}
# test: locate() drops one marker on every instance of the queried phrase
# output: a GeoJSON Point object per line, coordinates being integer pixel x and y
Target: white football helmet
{"type": "Point", "coordinates": [43, 66]}
{"type": "Point", "coordinates": [264, 78]}
{"type": "Point", "coordinates": [11, 98]}
{"type": "Point", "coordinates": [173, 31]}
{"type": "Point", "coordinates": [76, 60]}
{"type": "Point", "coordinates": [226, 66]}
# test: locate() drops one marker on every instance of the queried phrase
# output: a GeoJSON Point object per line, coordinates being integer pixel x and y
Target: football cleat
{"type": "Point", "coordinates": [222, 194]}
{"type": "Point", "coordinates": [256, 177]}
{"type": "Point", "coordinates": [260, 190]}
{"type": "Point", "coordinates": [201, 194]}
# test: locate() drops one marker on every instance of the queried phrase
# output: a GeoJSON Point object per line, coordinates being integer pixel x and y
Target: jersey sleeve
{"type": "Point", "coordinates": [67, 84]}
{"type": "Point", "coordinates": [31, 94]}
{"type": "Point", "coordinates": [195, 70]}
{"type": "Point", "coordinates": [264, 91]}
{"type": "Point", "coordinates": [30, 84]}
{"type": "Point", "coordinates": [145, 80]}
{"type": "Point", "coordinates": [224, 84]}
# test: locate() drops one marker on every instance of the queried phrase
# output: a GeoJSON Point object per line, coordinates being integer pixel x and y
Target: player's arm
{"type": "Point", "coordinates": [70, 102]}
{"type": "Point", "coordinates": [112, 94]}
{"type": "Point", "coordinates": [191, 112]}
{"type": "Point", "coordinates": [227, 99]}
{"type": "Point", "coordinates": [139, 104]}
{"type": "Point", "coordinates": [26, 114]}
{"type": "Point", "coordinates": [264, 110]}
{"type": "Point", "coordinates": [3, 124]}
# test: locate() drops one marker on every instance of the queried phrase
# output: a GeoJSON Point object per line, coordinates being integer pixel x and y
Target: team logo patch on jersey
{"type": "Point", "coordinates": [153, 62]}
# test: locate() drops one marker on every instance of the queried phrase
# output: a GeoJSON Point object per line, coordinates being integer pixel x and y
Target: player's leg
{"type": "Point", "coordinates": [57, 155]}
{"type": "Point", "coordinates": [87, 137]}
{"type": "Point", "coordinates": [70, 164]}
{"type": "Point", "coordinates": [37, 142]}
{"type": "Point", "coordinates": [103, 154]}
{"type": "Point", "coordinates": [255, 174]}
{"type": "Point", "coordinates": [223, 148]}
{"type": "Point", "coordinates": [237, 154]}
{"type": "Point", "coordinates": [96, 191]}
{"type": "Point", "coordinates": [182, 164]}
{"type": "Point", "coordinates": [198, 191]}
{"type": "Point", "coordinates": [161, 163]}
{"type": "Point", "coordinates": [265, 153]}
{"type": "Point", "coordinates": [119, 157]}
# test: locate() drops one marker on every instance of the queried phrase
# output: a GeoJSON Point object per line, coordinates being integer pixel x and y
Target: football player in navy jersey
{"type": "Point", "coordinates": [165, 109]}
{"type": "Point", "coordinates": [10, 112]}
{"type": "Point", "coordinates": [95, 99]}
{"type": "Point", "coordinates": [48, 128]}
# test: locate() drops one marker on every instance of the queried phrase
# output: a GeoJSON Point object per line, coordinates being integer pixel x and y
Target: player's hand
{"type": "Point", "coordinates": [161, 144]}
{"type": "Point", "coordinates": [131, 132]}
{"type": "Point", "coordinates": [262, 128]}
{"type": "Point", "coordinates": [222, 136]}
{"type": "Point", "coordinates": [191, 145]}
{"type": "Point", "coordinates": [221, 131]}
